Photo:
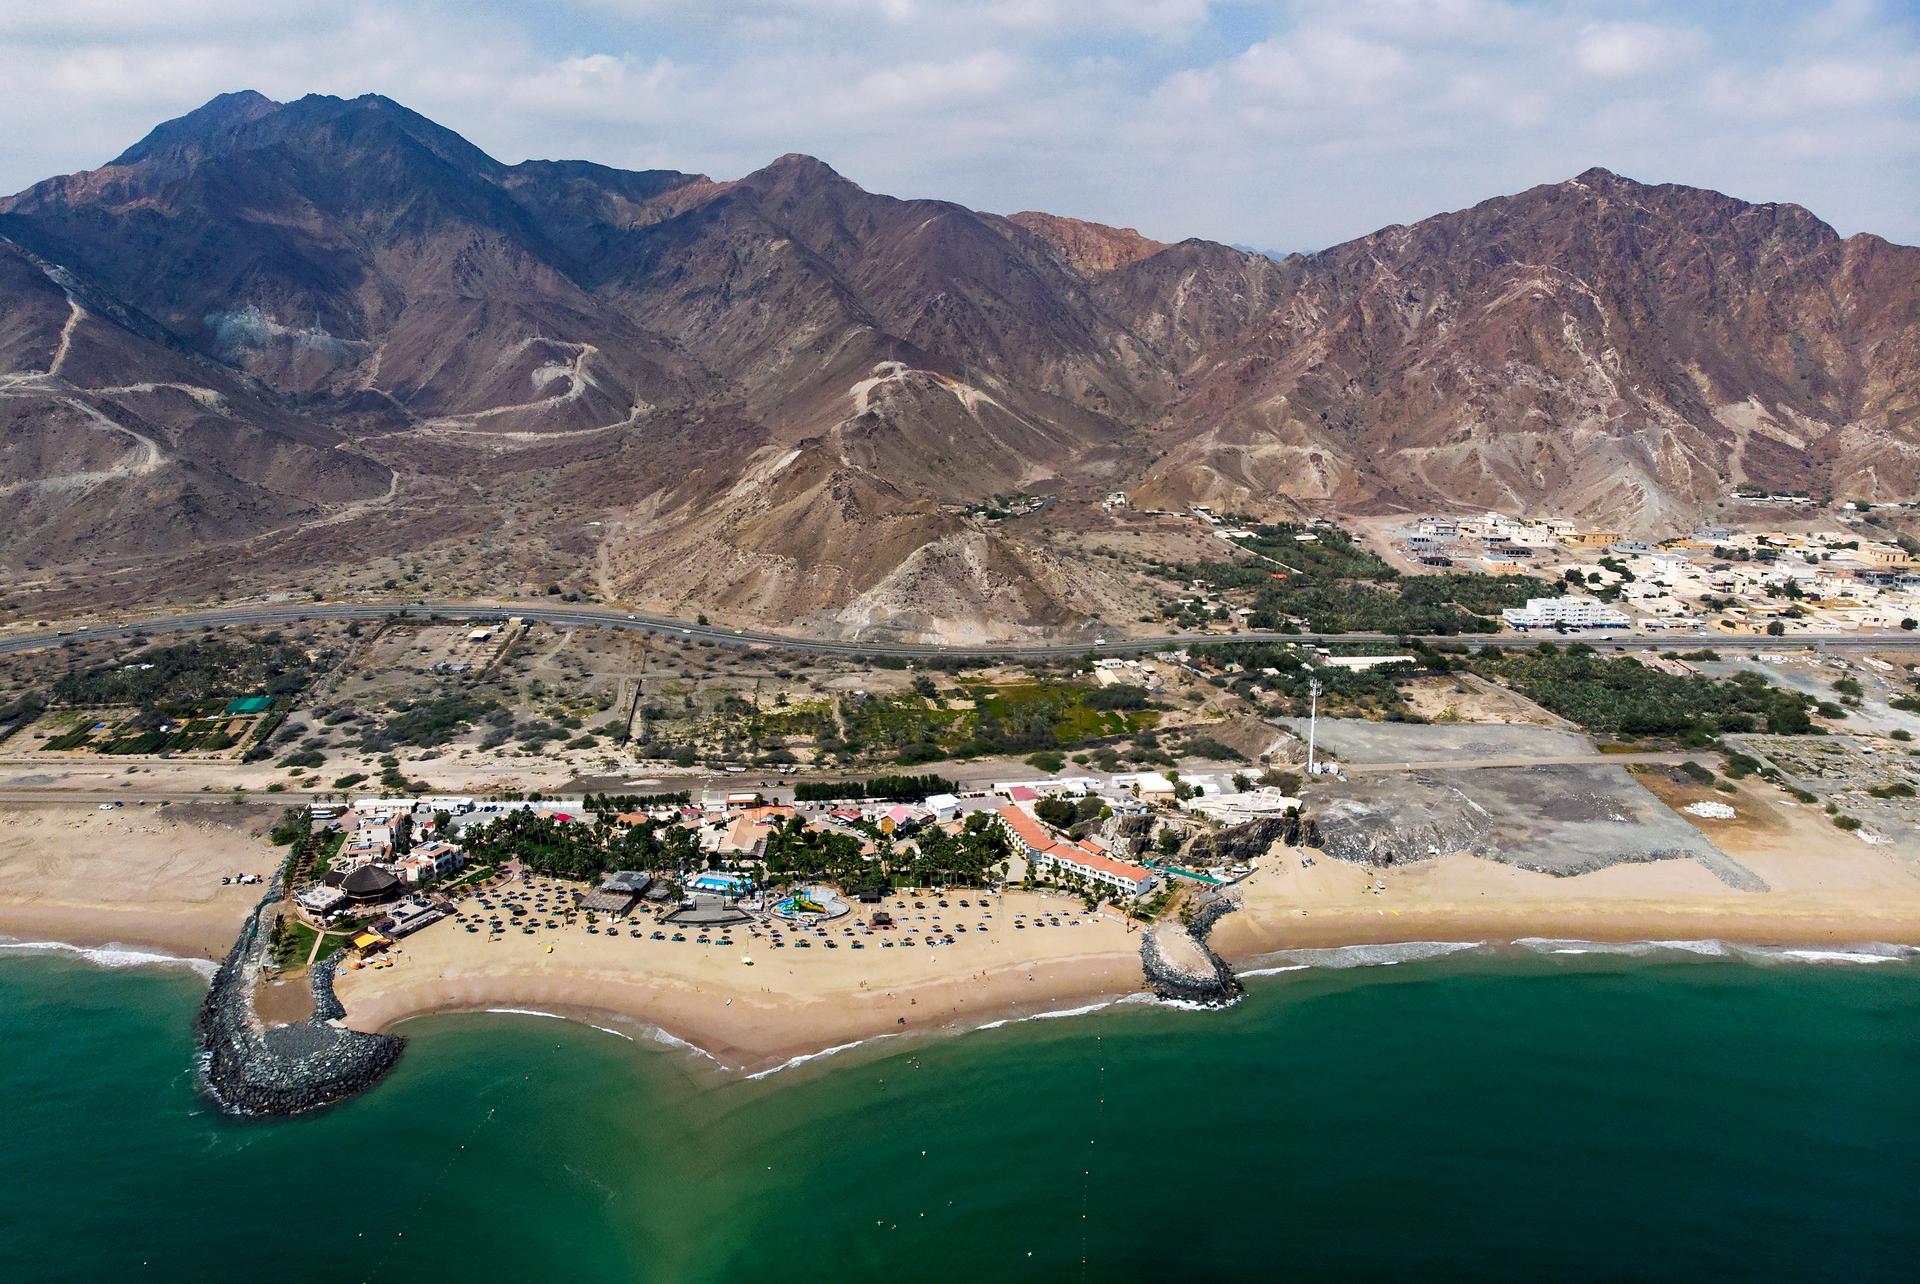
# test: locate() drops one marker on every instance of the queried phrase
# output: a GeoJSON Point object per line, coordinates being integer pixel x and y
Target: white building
{"type": "Point", "coordinates": [1235, 809]}
{"type": "Point", "coordinates": [320, 899]}
{"type": "Point", "coordinates": [1564, 612]}
{"type": "Point", "coordinates": [1148, 786]}
{"type": "Point", "coordinates": [430, 860]}
{"type": "Point", "coordinates": [1362, 662]}
{"type": "Point", "coordinates": [943, 806]}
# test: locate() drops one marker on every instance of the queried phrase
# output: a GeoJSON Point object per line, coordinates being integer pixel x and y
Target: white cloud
{"type": "Point", "coordinates": [1629, 50]}
{"type": "Point", "coordinates": [1284, 123]}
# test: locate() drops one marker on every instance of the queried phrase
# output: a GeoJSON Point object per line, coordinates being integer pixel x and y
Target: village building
{"type": "Point", "coordinates": [1564, 612]}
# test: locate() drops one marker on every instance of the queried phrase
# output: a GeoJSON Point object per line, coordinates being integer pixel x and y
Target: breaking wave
{"type": "Point", "coordinates": [113, 956]}
{"type": "Point", "coordinates": [1349, 956]}
{"type": "Point", "coordinates": [805, 1057]}
{"type": "Point", "coordinates": [1085, 1009]}
{"type": "Point", "coordinates": [1631, 949]}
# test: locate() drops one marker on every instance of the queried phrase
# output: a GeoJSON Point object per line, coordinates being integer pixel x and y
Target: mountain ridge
{"type": "Point", "coordinates": [347, 271]}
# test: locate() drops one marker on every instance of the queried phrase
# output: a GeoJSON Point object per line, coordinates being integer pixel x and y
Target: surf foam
{"type": "Point", "coordinates": [805, 1057]}
{"type": "Point", "coordinates": [113, 955]}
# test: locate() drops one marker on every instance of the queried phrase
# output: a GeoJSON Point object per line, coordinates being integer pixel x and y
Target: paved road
{"type": "Point", "coordinates": [611, 618]}
{"type": "Point", "coordinates": [1658, 757]}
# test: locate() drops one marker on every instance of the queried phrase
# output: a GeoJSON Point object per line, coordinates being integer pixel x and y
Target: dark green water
{"type": "Point", "coordinates": [1543, 1118]}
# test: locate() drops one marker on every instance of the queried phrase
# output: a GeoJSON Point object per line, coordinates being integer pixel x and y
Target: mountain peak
{"type": "Point", "coordinates": [203, 129]}
{"type": "Point", "coordinates": [800, 163]}
{"type": "Point", "coordinates": [1596, 176]}
{"type": "Point", "coordinates": [796, 169]}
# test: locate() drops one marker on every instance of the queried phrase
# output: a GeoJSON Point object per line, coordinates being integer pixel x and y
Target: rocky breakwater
{"type": "Point", "coordinates": [249, 1069]}
{"type": "Point", "coordinates": [1179, 964]}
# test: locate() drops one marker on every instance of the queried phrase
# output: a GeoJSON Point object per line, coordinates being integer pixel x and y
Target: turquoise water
{"type": "Point", "coordinates": [1537, 1118]}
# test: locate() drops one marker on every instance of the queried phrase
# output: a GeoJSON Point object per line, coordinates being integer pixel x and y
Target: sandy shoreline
{"type": "Point", "coordinates": [147, 878]}
{"type": "Point", "coordinates": [151, 881]}
{"type": "Point", "coordinates": [1827, 890]}
{"type": "Point", "coordinates": [788, 1002]}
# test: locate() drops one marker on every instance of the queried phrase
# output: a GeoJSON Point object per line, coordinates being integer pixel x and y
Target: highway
{"type": "Point", "coordinates": [691, 631]}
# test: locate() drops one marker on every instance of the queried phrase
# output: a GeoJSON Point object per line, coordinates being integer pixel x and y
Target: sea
{"type": "Point", "coordinates": [1551, 1111]}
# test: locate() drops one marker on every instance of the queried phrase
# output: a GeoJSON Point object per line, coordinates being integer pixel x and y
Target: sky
{"type": "Point", "coordinates": [1279, 124]}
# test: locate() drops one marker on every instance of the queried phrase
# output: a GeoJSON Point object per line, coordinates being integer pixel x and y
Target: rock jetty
{"type": "Point", "coordinates": [1179, 964]}
{"type": "Point", "coordinates": [248, 1069]}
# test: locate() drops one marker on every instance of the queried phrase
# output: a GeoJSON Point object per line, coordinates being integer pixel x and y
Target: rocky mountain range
{"type": "Point", "coordinates": [287, 343]}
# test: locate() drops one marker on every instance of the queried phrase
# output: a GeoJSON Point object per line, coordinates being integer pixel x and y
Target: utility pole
{"type": "Point", "coordinates": [1313, 718]}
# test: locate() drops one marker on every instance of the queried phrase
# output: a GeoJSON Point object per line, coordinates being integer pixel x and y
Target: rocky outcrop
{"type": "Point", "coordinates": [247, 1069]}
{"type": "Point", "coordinates": [1242, 843]}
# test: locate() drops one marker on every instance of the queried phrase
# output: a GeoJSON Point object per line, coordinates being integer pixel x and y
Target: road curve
{"type": "Point", "coordinates": [613, 618]}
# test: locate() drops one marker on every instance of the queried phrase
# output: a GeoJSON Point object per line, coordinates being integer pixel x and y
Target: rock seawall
{"type": "Point", "coordinates": [247, 1069]}
{"type": "Point", "coordinates": [1179, 964]}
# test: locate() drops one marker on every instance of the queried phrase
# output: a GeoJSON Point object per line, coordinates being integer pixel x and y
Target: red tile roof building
{"type": "Point", "coordinates": [1048, 851]}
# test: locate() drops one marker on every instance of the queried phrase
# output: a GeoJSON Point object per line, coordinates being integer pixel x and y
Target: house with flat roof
{"type": "Point", "coordinates": [1564, 612]}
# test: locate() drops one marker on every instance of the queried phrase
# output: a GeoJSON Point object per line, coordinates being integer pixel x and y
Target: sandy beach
{"type": "Point", "coordinates": [789, 1001]}
{"type": "Point", "coordinates": [1826, 888]}
{"type": "Point", "coordinates": [150, 878]}
{"type": "Point", "coordinates": [139, 876]}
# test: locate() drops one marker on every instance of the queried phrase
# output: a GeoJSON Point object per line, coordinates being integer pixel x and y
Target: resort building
{"type": "Point", "coordinates": [1235, 809]}
{"type": "Point", "coordinates": [617, 893]}
{"type": "Point", "coordinates": [430, 860]}
{"type": "Point", "coordinates": [367, 885]}
{"type": "Point", "coordinates": [1048, 852]}
{"type": "Point", "coordinates": [1148, 786]}
{"type": "Point", "coordinates": [1086, 860]}
{"type": "Point", "coordinates": [320, 899]}
{"type": "Point", "coordinates": [410, 916]}
{"type": "Point", "coordinates": [369, 842]}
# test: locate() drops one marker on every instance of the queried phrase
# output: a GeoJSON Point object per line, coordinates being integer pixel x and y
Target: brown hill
{"type": "Point", "coordinates": [334, 334]}
{"type": "Point", "coordinates": [1089, 249]}
{"type": "Point", "coordinates": [1595, 347]}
